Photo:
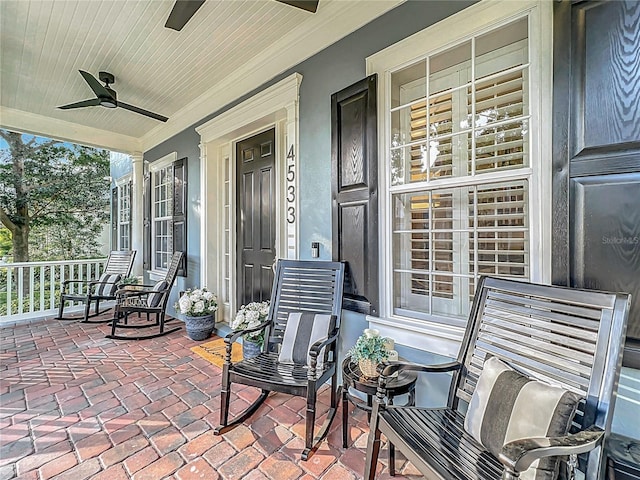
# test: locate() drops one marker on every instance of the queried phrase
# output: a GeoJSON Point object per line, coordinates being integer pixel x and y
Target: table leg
{"type": "Point", "coordinates": [370, 405]}
{"type": "Point", "coordinates": [392, 450]}
{"type": "Point", "coordinates": [345, 415]}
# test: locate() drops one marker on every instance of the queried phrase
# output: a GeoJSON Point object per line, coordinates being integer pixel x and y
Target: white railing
{"type": "Point", "coordinates": [32, 289]}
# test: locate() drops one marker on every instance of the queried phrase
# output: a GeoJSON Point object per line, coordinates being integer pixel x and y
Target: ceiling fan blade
{"type": "Point", "coordinates": [182, 12]}
{"type": "Point", "coordinates": [84, 103]}
{"type": "Point", "coordinates": [95, 85]}
{"type": "Point", "coordinates": [308, 5]}
{"type": "Point", "coordinates": [142, 111]}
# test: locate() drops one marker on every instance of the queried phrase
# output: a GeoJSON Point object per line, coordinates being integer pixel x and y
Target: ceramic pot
{"type": "Point", "coordinates": [250, 349]}
{"type": "Point", "coordinates": [199, 328]}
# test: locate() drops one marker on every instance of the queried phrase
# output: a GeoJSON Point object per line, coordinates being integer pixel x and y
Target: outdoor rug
{"type": "Point", "coordinates": [214, 351]}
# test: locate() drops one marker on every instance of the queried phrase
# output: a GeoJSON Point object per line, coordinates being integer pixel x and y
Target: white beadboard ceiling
{"type": "Point", "coordinates": [227, 49]}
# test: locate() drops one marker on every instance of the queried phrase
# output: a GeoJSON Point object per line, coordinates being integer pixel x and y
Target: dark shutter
{"type": "Point", "coordinates": [596, 153]}
{"type": "Point", "coordinates": [146, 222]}
{"type": "Point", "coordinates": [179, 221]}
{"type": "Point", "coordinates": [114, 218]}
{"type": "Point", "coordinates": [354, 192]}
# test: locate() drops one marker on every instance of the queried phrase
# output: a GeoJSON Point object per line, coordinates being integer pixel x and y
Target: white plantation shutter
{"type": "Point", "coordinates": [447, 235]}
{"type": "Point", "coordinates": [500, 102]}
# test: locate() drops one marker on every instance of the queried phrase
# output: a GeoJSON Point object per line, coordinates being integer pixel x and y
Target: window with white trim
{"type": "Point", "coordinates": [161, 217]}
{"type": "Point", "coordinates": [459, 172]}
{"type": "Point", "coordinates": [124, 216]}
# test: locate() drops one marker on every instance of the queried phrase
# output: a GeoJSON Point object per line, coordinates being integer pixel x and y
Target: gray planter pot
{"type": "Point", "coordinates": [250, 349]}
{"type": "Point", "coordinates": [199, 328]}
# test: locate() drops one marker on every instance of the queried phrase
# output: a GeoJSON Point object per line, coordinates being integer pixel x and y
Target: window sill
{"type": "Point", "coordinates": [431, 337]}
{"type": "Point", "coordinates": [156, 275]}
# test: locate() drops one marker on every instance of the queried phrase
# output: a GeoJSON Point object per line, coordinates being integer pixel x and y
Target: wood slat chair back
{"type": "Point", "coordinates": [561, 336]}
{"type": "Point", "coordinates": [310, 286]}
{"type": "Point", "coordinates": [566, 337]}
{"type": "Point", "coordinates": [119, 262]}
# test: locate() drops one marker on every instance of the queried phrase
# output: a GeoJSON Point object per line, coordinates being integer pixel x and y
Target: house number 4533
{"type": "Point", "coordinates": [291, 189]}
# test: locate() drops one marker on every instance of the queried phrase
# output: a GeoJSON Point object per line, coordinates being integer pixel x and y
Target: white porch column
{"type": "Point", "coordinates": [137, 210]}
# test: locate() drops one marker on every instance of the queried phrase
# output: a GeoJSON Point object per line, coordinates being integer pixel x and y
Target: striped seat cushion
{"type": "Point", "coordinates": [108, 285]}
{"type": "Point", "coordinates": [301, 332]}
{"type": "Point", "coordinates": [507, 406]}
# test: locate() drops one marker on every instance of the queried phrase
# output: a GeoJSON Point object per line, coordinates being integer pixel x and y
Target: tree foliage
{"type": "Point", "coordinates": [53, 197]}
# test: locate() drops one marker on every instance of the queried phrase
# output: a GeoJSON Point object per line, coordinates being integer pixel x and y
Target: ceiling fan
{"type": "Point", "coordinates": [107, 97]}
{"type": "Point", "coordinates": [183, 10]}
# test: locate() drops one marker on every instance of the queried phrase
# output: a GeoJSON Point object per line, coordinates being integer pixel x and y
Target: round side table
{"type": "Point", "coordinates": [352, 377]}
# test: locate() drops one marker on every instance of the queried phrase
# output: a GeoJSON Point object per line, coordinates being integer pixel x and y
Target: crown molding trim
{"type": "Point", "coordinates": [21, 121]}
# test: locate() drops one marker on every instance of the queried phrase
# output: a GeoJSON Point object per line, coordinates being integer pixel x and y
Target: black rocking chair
{"type": "Point", "coordinates": [523, 342]}
{"type": "Point", "coordinates": [294, 360]}
{"type": "Point", "coordinates": [148, 300]}
{"type": "Point", "coordinates": [116, 269]}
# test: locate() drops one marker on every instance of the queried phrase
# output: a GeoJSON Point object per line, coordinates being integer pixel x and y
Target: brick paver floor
{"type": "Point", "coordinates": [76, 405]}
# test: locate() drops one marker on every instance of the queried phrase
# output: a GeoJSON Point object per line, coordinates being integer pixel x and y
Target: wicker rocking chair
{"type": "Point", "coordinates": [300, 351]}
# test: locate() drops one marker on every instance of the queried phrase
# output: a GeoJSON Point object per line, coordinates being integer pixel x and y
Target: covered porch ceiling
{"type": "Point", "coordinates": [227, 49]}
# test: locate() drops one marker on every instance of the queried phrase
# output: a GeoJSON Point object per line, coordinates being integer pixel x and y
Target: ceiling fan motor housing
{"type": "Point", "coordinates": [109, 102]}
{"type": "Point", "coordinates": [106, 77]}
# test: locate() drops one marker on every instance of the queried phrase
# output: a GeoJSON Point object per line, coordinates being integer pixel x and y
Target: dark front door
{"type": "Point", "coordinates": [596, 182]}
{"type": "Point", "coordinates": [256, 216]}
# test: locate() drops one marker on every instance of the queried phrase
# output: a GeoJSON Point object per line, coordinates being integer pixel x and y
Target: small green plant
{"type": "Point", "coordinates": [130, 281]}
{"type": "Point", "coordinates": [370, 346]}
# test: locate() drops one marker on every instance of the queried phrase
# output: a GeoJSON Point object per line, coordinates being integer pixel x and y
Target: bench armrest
{"type": "Point", "coordinates": [517, 456]}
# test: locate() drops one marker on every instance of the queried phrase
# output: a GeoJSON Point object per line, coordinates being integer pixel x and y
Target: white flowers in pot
{"type": "Point", "coordinates": [199, 302]}
{"type": "Point", "coordinates": [249, 316]}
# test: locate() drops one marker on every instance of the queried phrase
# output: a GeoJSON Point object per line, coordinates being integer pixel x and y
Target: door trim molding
{"type": "Point", "coordinates": [276, 106]}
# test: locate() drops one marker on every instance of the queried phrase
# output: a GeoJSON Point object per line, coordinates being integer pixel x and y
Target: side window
{"type": "Point", "coordinates": [165, 206]}
{"type": "Point", "coordinates": [121, 215]}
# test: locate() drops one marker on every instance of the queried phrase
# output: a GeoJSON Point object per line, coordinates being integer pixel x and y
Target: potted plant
{"type": "Point", "coordinates": [249, 316]}
{"type": "Point", "coordinates": [131, 283]}
{"type": "Point", "coordinates": [198, 307]}
{"type": "Point", "coordinates": [370, 349]}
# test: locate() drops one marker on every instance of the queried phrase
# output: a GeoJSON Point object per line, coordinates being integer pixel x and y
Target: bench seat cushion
{"type": "Point", "coordinates": [439, 438]}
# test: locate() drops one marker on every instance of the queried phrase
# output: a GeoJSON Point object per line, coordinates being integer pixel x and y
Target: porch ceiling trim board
{"type": "Point", "coordinates": [27, 122]}
{"type": "Point", "coordinates": [287, 52]}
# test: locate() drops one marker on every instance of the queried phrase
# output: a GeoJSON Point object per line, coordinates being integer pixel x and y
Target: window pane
{"type": "Point", "coordinates": [502, 48]}
{"type": "Point", "coordinates": [502, 147]}
{"type": "Point", "coordinates": [408, 84]}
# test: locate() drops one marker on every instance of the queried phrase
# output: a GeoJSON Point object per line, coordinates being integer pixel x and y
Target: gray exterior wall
{"type": "Point", "coordinates": [329, 71]}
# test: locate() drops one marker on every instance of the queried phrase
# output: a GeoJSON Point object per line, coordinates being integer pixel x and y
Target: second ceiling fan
{"type": "Point", "coordinates": [183, 10]}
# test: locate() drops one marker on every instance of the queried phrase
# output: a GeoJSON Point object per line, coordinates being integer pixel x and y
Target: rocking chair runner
{"type": "Point", "coordinates": [117, 268]}
{"type": "Point", "coordinates": [152, 299]}
{"type": "Point", "coordinates": [300, 352]}
{"type": "Point", "coordinates": [521, 338]}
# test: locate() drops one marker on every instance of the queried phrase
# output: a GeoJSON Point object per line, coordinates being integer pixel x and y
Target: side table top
{"type": "Point", "coordinates": [353, 377]}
